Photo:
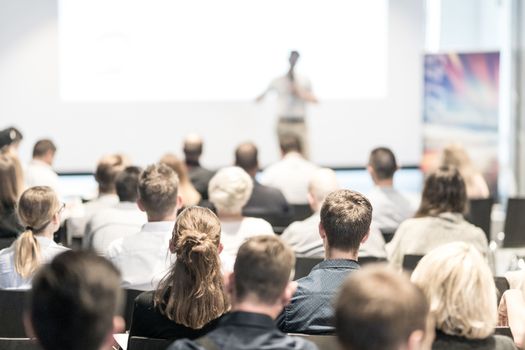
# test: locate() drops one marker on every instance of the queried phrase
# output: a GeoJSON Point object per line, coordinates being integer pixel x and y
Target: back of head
{"type": "Point", "coordinates": [455, 155]}
{"type": "Point", "coordinates": [176, 165]}
{"type": "Point", "coordinates": [192, 148]}
{"type": "Point", "coordinates": [127, 183]}
{"type": "Point", "coordinates": [444, 191]}
{"type": "Point", "coordinates": [73, 301]}
{"type": "Point", "coordinates": [290, 143]}
{"type": "Point", "coordinates": [10, 136]}
{"type": "Point", "coordinates": [263, 269]}
{"type": "Point", "coordinates": [11, 184]}
{"type": "Point", "coordinates": [158, 187]}
{"type": "Point", "coordinates": [230, 189]}
{"type": "Point", "coordinates": [246, 157]}
{"type": "Point", "coordinates": [196, 275]}
{"type": "Point", "coordinates": [459, 285]}
{"type": "Point", "coordinates": [378, 308]}
{"type": "Point", "coordinates": [323, 182]}
{"type": "Point", "coordinates": [383, 162]}
{"type": "Point", "coordinates": [36, 209]}
{"type": "Point", "coordinates": [107, 169]}
{"type": "Point", "coordinates": [43, 147]}
{"type": "Point", "coordinates": [346, 217]}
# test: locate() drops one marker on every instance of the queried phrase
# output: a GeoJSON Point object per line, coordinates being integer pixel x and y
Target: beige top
{"type": "Point", "coordinates": [418, 236]}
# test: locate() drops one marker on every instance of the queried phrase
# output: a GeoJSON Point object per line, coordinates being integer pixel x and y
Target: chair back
{"type": "Point", "coordinates": [364, 260]}
{"type": "Point", "coordinates": [18, 344]}
{"type": "Point", "coordinates": [479, 214]}
{"type": "Point", "coordinates": [11, 310]}
{"type": "Point", "coordinates": [6, 242]}
{"type": "Point", "coordinates": [515, 223]}
{"type": "Point", "coordinates": [141, 343]}
{"type": "Point", "coordinates": [131, 295]}
{"type": "Point", "coordinates": [323, 342]}
{"type": "Point", "coordinates": [303, 266]}
{"type": "Point", "coordinates": [278, 220]}
{"type": "Point", "coordinates": [388, 234]}
{"type": "Point", "coordinates": [505, 331]}
{"type": "Point", "coordinates": [410, 262]}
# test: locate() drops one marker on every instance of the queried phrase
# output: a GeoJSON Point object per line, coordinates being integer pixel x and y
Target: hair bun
{"type": "Point", "coordinates": [192, 242]}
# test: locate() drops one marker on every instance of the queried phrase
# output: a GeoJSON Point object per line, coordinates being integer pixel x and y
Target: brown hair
{"type": "Point", "coordinates": [36, 209]}
{"type": "Point", "coordinates": [378, 308]}
{"type": "Point", "coordinates": [444, 191]}
{"type": "Point", "coordinates": [158, 188]}
{"type": "Point", "coordinates": [42, 147]}
{"type": "Point", "coordinates": [176, 165]}
{"type": "Point", "coordinates": [11, 184]}
{"type": "Point", "coordinates": [107, 169]}
{"type": "Point", "coordinates": [263, 268]}
{"type": "Point", "coordinates": [383, 161]}
{"type": "Point", "coordinates": [194, 286]}
{"type": "Point", "coordinates": [290, 142]}
{"type": "Point", "coordinates": [346, 217]}
{"type": "Point", "coordinates": [73, 301]}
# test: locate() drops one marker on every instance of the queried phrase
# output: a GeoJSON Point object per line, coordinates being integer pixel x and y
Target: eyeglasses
{"type": "Point", "coordinates": [62, 207]}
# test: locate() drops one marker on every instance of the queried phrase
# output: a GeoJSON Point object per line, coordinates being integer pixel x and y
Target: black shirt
{"type": "Point", "coordinates": [246, 331]}
{"type": "Point", "coordinates": [310, 310]}
{"type": "Point", "coordinates": [9, 224]}
{"type": "Point", "coordinates": [200, 177]}
{"type": "Point", "coordinates": [450, 342]}
{"type": "Point", "coordinates": [148, 322]}
{"type": "Point", "coordinates": [268, 203]}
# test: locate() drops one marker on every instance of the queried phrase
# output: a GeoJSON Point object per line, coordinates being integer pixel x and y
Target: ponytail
{"type": "Point", "coordinates": [192, 293]}
{"type": "Point", "coordinates": [27, 254]}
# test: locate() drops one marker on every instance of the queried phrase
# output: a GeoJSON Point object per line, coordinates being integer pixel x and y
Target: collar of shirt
{"type": "Point", "coordinates": [337, 264]}
{"type": "Point", "coordinates": [249, 319]}
{"type": "Point", "coordinates": [158, 226]}
{"type": "Point", "coordinates": [44, 241]}
{"type": "Point", "coordinates": [452, 217]}
{"type": "Point", "coordinates": [127, 206]}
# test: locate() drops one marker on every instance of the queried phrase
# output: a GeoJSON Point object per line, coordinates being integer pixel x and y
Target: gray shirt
{"type": "Point", "coordinates": [391, 207]}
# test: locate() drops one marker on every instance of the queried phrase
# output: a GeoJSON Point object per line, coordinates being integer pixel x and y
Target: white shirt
{"type": "Point", "coordinates": [291, 175]}
{"type": "Point", "coordinates": [76, 225]}
{"type": "Point", "coordinates": [288, 104]}
{"type": "Point", "coordinates": [110, 224]}
{"type": "Point", "coordinates": [235, 232]}
{"type": "Point", "coordinates": [143, 258]}
{"type": "Point", "coordinates": [303, 237]}
{"type": "Point", "coordinates": [391, 207]}
{"type": "Point", "coordinates": [39, 173]}
{"type": "Point", "coordinates": [9, 278]}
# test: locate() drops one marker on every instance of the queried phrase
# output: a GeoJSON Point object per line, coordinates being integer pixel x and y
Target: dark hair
{"type": "Point", "coordinates": [444, 191]}
{"type": "Point", "coordinates": [10, 136]}
{"type": "Point", "coordinates": [246, 156]}
{"type": "Point", "coordinates": [383, 161]}
{"type": "Point", "coordinates": [158, 188]}
{"type": "Point", "coordinates": [192, 149]}
{"type": "Point", "coordinates": [263, 268]}
{"type": "Point", "coordinates": [378, 308]}
{"type": "Point", "coordinates": [290, 143]}
{"type": "Point", "coordinates": [42, 147]}
{"type": "Point", "coordinates": [73, 301]}
{"type": "Point", "coordinates": [346, 217]}
{"type": "Point", "coordinates": [107, 169]}
{"type": "Point", "coordinates": [127, 183]}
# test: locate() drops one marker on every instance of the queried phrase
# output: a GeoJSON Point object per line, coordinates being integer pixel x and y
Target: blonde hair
{"type": "Point", "coordinates": [230, 189]}
{"type": "Point", "coordinates": [36, 209]}
{"type": "Point", "coordinates": [460, 288]}
{"type": "Point", "coordinates": [194, 287]}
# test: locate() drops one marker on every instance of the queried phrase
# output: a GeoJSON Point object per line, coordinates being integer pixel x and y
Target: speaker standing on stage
{"type": "Point", "coordinates": [293, 92]}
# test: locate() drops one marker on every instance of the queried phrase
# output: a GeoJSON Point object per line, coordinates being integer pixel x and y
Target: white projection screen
{"type": "Point", "coordinates": [136, 76]}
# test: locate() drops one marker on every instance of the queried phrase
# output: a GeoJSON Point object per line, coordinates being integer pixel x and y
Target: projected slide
{"type": "Point", "coordinates": [219, 50]}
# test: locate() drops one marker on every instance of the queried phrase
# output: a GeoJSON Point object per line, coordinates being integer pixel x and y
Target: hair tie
{"type": "Point", "coordinates": [29, 228]}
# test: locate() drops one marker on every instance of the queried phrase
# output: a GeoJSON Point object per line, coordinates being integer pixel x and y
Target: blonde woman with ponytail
{"type": "Point", "coordinates": [190, 299]}
{"type": "Point", "coordinates": [39, 212]}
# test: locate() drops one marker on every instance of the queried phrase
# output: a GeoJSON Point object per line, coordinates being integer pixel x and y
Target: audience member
{"type": "Point", "coordinates": [143, 258]}
{"type": "Point", "coordinates": [123, 219]}
{"type": "Point", "coordinates": [190, 196]}
{"type": "Point", "coordinates": [379, 308]}
{"type": "Point", "coordinates": [74, 303]}
{"type": "Point", "coordinates": [10, 139]}
{"type": "Point", "coordinates": [229, 191]}
{"type": "Point", "coordinates": [107, 169]}
{"type": "Point", "coordinates": [39, 172]}
{"type": "Point", "coordinates": [511, 313]}
{"type": "Point", "coordinates": [460, 289]}
{"type": "Point", "coordinates": [391, 207]}
{"type": "Point", "coordinates": [455, 155]}
{"type": "Point", "coordinates": [39, 210]}
{"type": "Point", "coordinates": [439, 219]}
{"type": "Point", "coordinates": [265, 201]}
{"type": "Point", "coordinates": [199, 176]}
{"type": "Point", "coordinates": [190, 298]}
{"type": "Point", "coordinates": [259, 287]}
{"type": "Point", "coordinates": [11, 187]}
{"type": "Point", "coordinates": [345, 224]}
{"type": "Point", "coordinates": [292, 173]}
